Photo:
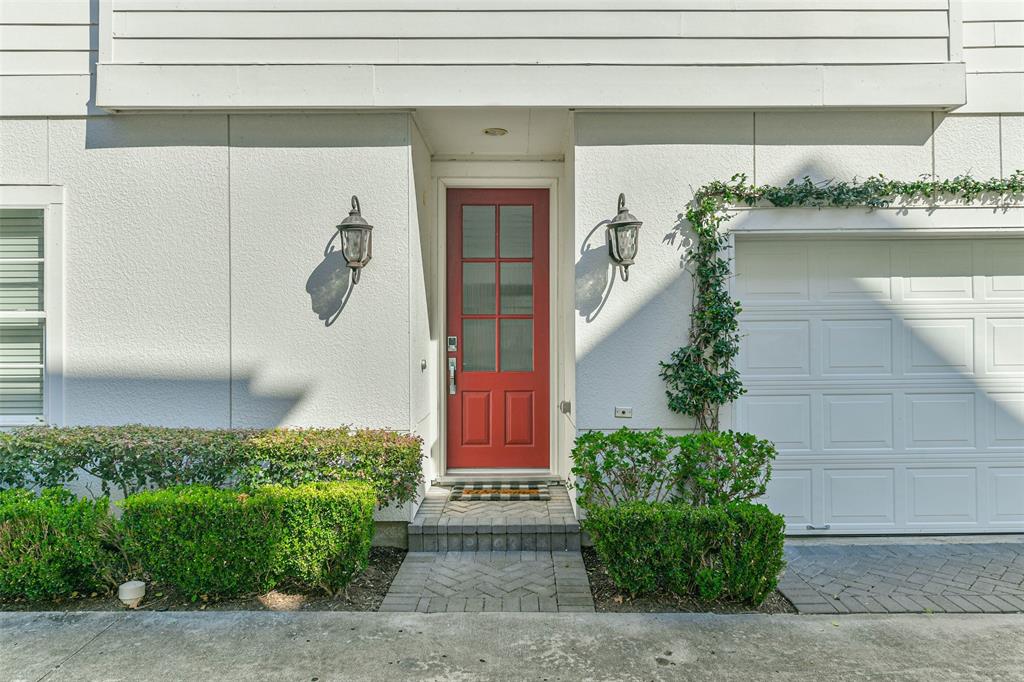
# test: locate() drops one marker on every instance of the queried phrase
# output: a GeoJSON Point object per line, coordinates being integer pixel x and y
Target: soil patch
{"type": "Point", "coordinates": [610, 599]}
{"type": "Point", "coordinates": [365, 593]}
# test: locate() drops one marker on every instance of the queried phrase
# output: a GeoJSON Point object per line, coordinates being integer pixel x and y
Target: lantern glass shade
{"type": "Point", "coordinates": [623, 233]}
{"type": "Point", "coordinates": [355, 243]}
{"type": "Point", "coordinates": [356, 240]}
{"type": "Point", "coordinates": [624, 239]}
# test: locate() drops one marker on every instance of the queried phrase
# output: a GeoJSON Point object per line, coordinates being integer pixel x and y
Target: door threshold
{"type": "Point", "coordinates": [457, 475]}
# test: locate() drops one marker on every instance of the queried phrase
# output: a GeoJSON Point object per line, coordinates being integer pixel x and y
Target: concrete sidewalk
{"type": "Point", "coordinates": [317, 647]}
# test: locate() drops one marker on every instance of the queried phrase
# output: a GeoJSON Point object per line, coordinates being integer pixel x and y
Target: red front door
{"type": "Point", "coordinates": [497, 333]}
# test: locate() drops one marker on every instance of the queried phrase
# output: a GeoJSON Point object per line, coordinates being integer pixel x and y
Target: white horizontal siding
{"type": "Point", "coordinates": [451, 5]}
{"type": "Point", "coordinates": [47, 49]}
{"type": "Point", "coordinates": [27, 63]}
{"type": "Point", "coordinates": [644, 32]}
{"type": "Point", "coordinates": [530, 51]}
{"type": "Point", "coordinates": [994, 54]}
{"type": "Point", "coordinates": [553, 24]}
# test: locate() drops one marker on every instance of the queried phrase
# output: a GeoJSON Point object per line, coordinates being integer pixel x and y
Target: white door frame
{"type": "Point", "coordinates": [558, 353]}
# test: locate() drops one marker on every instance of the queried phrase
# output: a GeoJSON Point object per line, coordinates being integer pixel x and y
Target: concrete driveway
{"type": "Point", "coordinates": [323, 646]}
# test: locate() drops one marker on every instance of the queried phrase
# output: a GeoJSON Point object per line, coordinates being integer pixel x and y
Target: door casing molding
{"type": "Point", "coordinates": [557, 353]}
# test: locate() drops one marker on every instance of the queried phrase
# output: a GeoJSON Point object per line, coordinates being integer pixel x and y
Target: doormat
{"type": "Point", "coordinates": [500, 491]}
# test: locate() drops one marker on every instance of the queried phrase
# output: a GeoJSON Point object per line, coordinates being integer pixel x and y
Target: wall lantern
{"type": "Point", "coordinates": [356, 240]}
{"type": "Point", "coordinates": [622, 238]}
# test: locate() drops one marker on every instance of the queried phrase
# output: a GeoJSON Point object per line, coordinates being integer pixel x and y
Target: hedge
{"type": "Point", "coordinates": [134, 458]}
{"type": "Point", "coordinates": [53, 544]}
{"type": "Point", "coordinates": [218, 542]}
{"type": "Point", "coordinates": [729, 552]}
{"type": "Point", "coordinates": [391, 462]}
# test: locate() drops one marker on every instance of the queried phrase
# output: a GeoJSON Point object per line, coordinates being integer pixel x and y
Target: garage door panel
{"type": "Point", "coordinates": [857, 347]}
{"type": "Point", "coordinates": [780, 347]}
{"type": "Point", "coordinates": [858, 422]}
{"type": "Point", "coordinates": [940, 346]}
{"type": "Point", "coordinates": [773, 272]}
{"type": "Point", "coordinates": [1007, 420]}
{"type": "Point", "coordinates": [938, 270]}
{"type": "Point", "coordinates": [790, 493]}
{"type": "Point", "coordinates": [783, 419]}
{"type": "Point", "coordinates": [1006, 495]}
{"type": "Point", "coordinates": [856, 271]}
{"type": "Point", "coordinates": [1002, 268]}
{"type": "Point", "coordinates": [1005, 345]}
{"type": "Point", "coordinates": [892, 383]}
{"type": "Point", "coordinates": [940, 420]}
{"type": "Point", "coordinates": [860, 497]}
{"type": "Point", "coordinates": [942, 496]}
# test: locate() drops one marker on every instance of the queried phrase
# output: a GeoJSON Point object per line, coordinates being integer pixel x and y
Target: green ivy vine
{"type": "Point", "coordinates": [700, 375]}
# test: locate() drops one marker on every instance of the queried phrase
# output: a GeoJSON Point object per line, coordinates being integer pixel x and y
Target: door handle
{"type": "Point", "coordinates": [451, 376]}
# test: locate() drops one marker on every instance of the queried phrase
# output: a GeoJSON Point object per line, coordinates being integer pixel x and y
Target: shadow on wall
{"type": "Point", "coordinates": [594, 273]}
{"type": "Point", "coordinates": [111, 399]}
{"type": "Point", "coordinates": [330, 284]}
{"type": "Point", "coordinates": [680, 236]}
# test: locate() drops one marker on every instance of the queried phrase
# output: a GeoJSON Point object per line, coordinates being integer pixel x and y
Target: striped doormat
{"type": "Point", "coordinates": [508, 491]}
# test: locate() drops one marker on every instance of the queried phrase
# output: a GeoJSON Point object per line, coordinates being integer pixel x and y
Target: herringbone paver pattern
{"type": "Point", "coordinates": [898, 578]}
{"type": "Point", "coordinates": [490, 581]}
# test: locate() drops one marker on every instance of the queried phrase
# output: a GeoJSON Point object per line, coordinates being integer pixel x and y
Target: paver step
{"type": "Point", "coordinates": [443, 525]}
{"type": "Point", "coordinates": [440, 534]}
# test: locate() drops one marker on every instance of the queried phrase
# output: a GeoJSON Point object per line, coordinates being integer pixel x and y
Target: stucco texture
{"type": "Point", "coordinates": [199, 278]}
{"type": "Point", "coordinates": [624, 329]}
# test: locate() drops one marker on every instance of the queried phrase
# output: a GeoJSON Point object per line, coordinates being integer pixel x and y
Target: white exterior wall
{"type": "Point", "coordinates": [993, 48]}
{"type": "Point", "coordinates": [47, 51]}
{"type": "Point", "coordinates": [195, 277]}
{"type": "Point", "coordinates": [516, 32]}
{"type": "Point", "coordinates": [623, 329]}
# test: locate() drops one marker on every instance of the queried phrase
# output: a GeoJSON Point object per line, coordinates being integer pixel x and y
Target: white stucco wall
{"type": "Point", "coordinates": [197, 288]}
{"type": "Point", "coordinates": [624, 329]}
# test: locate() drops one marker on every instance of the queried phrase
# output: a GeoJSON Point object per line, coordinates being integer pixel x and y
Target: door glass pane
{"type": "Point", "coordinates": [516, 231]}
{"type": "Point", "coordinates": [21, 286]}
{"type": "Point", "coordinates": [478, 345]}
{"type": "Point", "coordinates": [21, 233]}
{"type": "Point", "coordinates": [517, 345]}
{"type": "Point", "coordinates": [21, 342]}
{"type": "Point", "coordinates": [478, 288]}
{"type": "Point", "coordinates": [516, 288]}
{"type": "Point", "coordinates": [478, 232]}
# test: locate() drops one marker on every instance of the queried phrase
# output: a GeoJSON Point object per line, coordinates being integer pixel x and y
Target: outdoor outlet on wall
{"type": "Point", "coordinates": [624, 412]}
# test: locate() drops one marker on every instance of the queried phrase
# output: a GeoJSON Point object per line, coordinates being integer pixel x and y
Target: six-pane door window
{"type": "Point", "coordinates": [22, 316]}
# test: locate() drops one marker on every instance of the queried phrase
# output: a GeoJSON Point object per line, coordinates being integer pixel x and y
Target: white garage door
{"type": "Point", "coordinates": [890, 374]}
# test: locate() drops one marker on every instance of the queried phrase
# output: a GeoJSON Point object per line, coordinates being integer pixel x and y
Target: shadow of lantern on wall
{"type": "Point", "coordinates": [622, 238]}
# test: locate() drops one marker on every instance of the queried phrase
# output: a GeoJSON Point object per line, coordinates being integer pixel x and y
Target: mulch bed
{"type": "Point", "coordinates": [610, 599]}
{"type": "Point", "coordinates": [365, 593]}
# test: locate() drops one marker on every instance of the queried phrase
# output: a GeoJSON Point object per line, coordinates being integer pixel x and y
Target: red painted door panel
{"type": "Point", "coordinates": [498, 415]}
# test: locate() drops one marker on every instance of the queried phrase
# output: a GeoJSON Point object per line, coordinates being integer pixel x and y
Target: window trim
{"type": "Point", "coordinates": [49, 198]}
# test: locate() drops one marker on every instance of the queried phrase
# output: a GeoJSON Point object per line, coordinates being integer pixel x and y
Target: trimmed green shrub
{"type": "Point", "coordinates": [625, 466]}
{"type": "Point", "coordinates": [203, 540]}
{"type": "Point", "coordinates": [328, 530]}
{"type": "Point", "coordinates": [730, 552]}
{"type": "Point", "coordinates": [717, 467]}
{"type": "Point", "coordinates": [391, 462]}
{"type": "Point", "coordinates": [221, 543]}
{"type": "Point", "coordinates": [703, 468]}
{"type": "Point", "coordinates": [134, 458]}
{"type": "Point", "coordinates": [126, 458]}
{"type": "Point", "coordinates": [53, 544]}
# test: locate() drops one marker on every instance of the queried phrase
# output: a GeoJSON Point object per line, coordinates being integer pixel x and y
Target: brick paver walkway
{"type": "Point", "coordinates": [983, 577]}
{"type": "Point", "coordinates": [490, 581]}
{"type": "Point", "coordinates": [492, 556]}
